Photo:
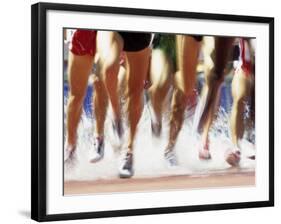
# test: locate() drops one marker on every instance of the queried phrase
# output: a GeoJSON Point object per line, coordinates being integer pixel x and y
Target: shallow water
{"type": "Point", "coordinates": [148, 157]}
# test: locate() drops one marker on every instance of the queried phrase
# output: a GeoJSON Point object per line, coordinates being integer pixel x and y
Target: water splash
{"type": "Point", "coordinates": [149, 160]}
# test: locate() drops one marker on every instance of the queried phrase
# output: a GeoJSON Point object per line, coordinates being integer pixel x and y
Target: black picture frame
{"type": "Point", "coordinates": [39, 114]}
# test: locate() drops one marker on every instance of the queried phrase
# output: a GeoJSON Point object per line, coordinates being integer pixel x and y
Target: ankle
{"type": "Point", "coordinates": [99, 137]}
{"type": "Point", "coordinates": [70, 147]}
{"type": "Point", "coordinates": [130, 151]}
{"type": "Point", "coordinates": [169, 148]}
{"type": "Point", "coordinates": [205, 145]}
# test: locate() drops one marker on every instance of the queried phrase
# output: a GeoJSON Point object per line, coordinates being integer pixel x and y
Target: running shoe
{"type": "Point", "coordinates": [126, 170]}
{"type": "Point", "coordinates": [204, 152]}
{"type": "Point", "coordinates": [118, 128]}
{"type": "Point", "coordinates": [97, 153]}
{"type": "Point", "coordinates": [170, 158]}
{"type": "Point", "coordinates": [233, 157]}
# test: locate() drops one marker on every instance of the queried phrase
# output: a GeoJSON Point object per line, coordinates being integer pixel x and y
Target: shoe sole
{"type": "Point", "coordinates": [126, 176]}
{"type": "Point", "coordinates": [96, 160]}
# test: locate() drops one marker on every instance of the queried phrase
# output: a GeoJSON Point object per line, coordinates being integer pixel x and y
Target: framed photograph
{"type": "Point", "coordinates": [139, 111]}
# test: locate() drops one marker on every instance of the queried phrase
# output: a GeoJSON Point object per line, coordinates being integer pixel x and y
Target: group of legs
{"type": "Point", "coordinates": [105, 49]}
{"type": "Point", "coordinates": [188, 48]}
{"type": "Point", "coordinates": [242, 89]}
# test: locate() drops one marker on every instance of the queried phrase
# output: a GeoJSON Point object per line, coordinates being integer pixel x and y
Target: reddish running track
{"type": "Point", "coordinates": [226, 179]}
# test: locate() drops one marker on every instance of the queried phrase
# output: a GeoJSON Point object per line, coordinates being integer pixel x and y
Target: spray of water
{"type": "Point", "coordinates": [149, 160]}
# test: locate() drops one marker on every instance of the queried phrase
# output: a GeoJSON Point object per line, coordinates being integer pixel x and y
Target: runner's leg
{"type": "Point", "coordinates": [241, 89]}
{"type": "Point", "coordinates": [160, 73]}
{"type": "Point", "coordinates": [211, 91]}
{"type": "Point", "coordinates": [184, 82]}
{"type": "Point", "coordinates": [100, 102]}
{"type": "Point", "coordinates": [137, 68]}
{"type": "Point", "coordinates": [110, 45]}
{"type": "Point", "coordinates": [78, 74]}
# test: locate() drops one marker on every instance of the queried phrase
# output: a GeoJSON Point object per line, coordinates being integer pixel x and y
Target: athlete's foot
{"type": "Point", "coordinates": [126, 169]}
{"type": "Point", "coordinates": [204, 152]}
{"type": "Point", "coordinates": [118, 127]}
{"type": "Point", "coordinates": [97, 153]}
{"type": "Point", "coordinates": [233, 157]}
{"type": "Point", "coordinates": [69, 153]}
{"type": "Point", "coordinates": [156, 128]}
{"type": "Point", "coordinates": [170, 157]}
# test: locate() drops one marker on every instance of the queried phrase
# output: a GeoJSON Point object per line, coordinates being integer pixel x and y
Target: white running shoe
{"type": "Point", "coordinates": [126, 170]}
{"type": "Point", "coordinates": [97, 153]}
{"type": "Point", "coordinates": [170, 158]}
